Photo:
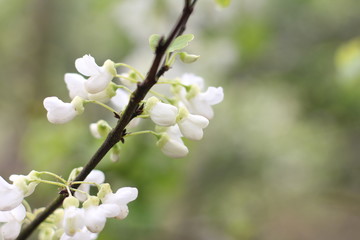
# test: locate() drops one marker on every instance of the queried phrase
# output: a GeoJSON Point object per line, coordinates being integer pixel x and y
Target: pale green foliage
{"type": "Point", "coordinates": [153, 41]}
{"type": "Point", "coordinates": [180, 42]}
{"type": "Point", "coordinates": [223, 3]}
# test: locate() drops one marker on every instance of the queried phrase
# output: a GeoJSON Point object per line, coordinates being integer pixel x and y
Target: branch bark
{"type": "Point", "coordinates": [154, 73]}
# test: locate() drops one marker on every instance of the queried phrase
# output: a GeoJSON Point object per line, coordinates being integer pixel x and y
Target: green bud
{"type": "Point", "coordinates": [110, 67]}
{"type": "Point", "coordinates": [70, 202]}
{"type": "Point", "coordinates": [150, 103]}
{"type": "Point", "coordinates": [163, 140]}
{"type": "Point", "coordinates": [91, 201]}
{"type": "Point", "coordinates": [105, 189]}
{"type": "Point", "coordinates": [194, 91]}
{"type": "Point", "coordinates": [188, 58]}
{"type": "Point", "coordinates": [78, 103]}
{"type": "Point", "coordinates": [183, 113]}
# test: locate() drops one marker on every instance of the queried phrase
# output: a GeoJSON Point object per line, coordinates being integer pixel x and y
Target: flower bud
{"type": "Point", "coordinates": [161, 114]}
{"type": "Point", "coordinates": [188, 58]}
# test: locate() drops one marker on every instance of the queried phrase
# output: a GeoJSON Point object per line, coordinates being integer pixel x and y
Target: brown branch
{"type": "Point", "coordinates": [117, 133]}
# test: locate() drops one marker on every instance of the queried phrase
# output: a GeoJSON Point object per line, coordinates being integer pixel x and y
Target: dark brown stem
{"type": "Point", "coordinates": [117, 133]}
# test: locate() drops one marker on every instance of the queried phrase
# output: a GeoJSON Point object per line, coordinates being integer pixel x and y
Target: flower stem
{"type": "Point", "coordinates": [101, 104]}
{"type": "Point", "coordinates": [130, 67]}
{"type": "Point", "coordinates": [53, 175]}
{"type": "Point", "coordinates": [142, 132]}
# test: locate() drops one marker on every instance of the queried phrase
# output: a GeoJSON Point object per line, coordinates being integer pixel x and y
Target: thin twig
{"type": "Point", "coordinates": [118, 132]}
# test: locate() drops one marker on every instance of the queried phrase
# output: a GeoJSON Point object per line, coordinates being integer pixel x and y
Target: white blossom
{"type": "Point", "coordinates": [83, 234]}
{"type": "Point", "coordinates": [202, 102]}
{"type": "Point", "coordinates": [171, 143]}
{"type": "Point", "coordinates": [162, 114]}
{"type": "Point", "coordinates": [74, 220]}
{"type": "Point", "coordinates": [11, 196]}
{"type": "Point", "coordinates": [197, 101]}
{"type": "Point", "coordinates": [95, 176]}
{"type": "Point", "coordinates": [191, 126]}
{"type": "Point", "coordinates": [120, 100]}
{"type": "Point", "coordinates": [99, 77]}
{"type": "Point", "coordinates": [75, 83]}
{"type": "Point", "coordinates": [10, 222]}
{"type": "Point", "coordinates": [59, 112]}
{"type": "Point", "coordinates": [121, 198]}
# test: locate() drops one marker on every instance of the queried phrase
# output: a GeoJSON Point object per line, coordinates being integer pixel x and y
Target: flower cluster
{"type": "Point", "coordinates": [12, 211]}
{"type": "Point", "coordinates": [70, 221]}
{"type": "Point", "coordinates": [183, 114]}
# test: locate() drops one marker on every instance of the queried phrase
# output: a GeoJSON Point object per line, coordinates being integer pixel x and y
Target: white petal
{"type": "Point", "coordinates": [87, 66]}
{"type": "Point", "coordinates": [110, 209]}
{"type": "Point", "coordinates": [94, 130]}
{"type": "Point", "coordinates": [58, 111]}
{"type": "Point", "coordinates": [95, 176]}
{"type": "Point", "coordinates": [95, 219]}
{"type": "Point", "coordinates": [175, 149]}
{"type": "Point", "coordinates": [10, 230]}
{"type": "Point", "coordinates": [11, 196]}
{"type": "Point", "coordinates": [192, 126]}
{"type": "Point", "coordinates": [73, 220]}
{"type": "Point", "coordinates": [122, 196]}
{"type": "Point", "coordinates": [19, 213]}
{"type": "Point", "coordinates": [163, 114]}
{"type": "Point", "coordinates": [120, 100]}
{"type": "Point", "coordinates": [99, 82]}
{"type": "Point", "coordinates": [75, 85]}
{"type": "Point", "coordinates": [191, 79]}
{"type": "Point", "coordinates": [124, 212]}
{"type": "Point", "coordinates": [213, 95]}
{"type": "Point", "coordinates": [200, 107]}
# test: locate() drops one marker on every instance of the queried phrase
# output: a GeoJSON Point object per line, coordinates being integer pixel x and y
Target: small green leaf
{"type": "Point", "coordinates": [180, 42]}
{"type": "Point", "coordinates": [154, 41]}
{"type": "Point", "coordinates": [223, 3]}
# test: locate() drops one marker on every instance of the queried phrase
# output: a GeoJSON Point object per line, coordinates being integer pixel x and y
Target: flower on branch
{"type": "Point", "coordinates": [162, 114]}
{"type": "Point", "coordinates": [171, 143]}
{"type": "Point", "coordinates": [10, 222]}
{"type": "Point", "coordinates": [99, 77]}
{"type": "Point", "coordinates": [191, 126]}
{"type": "Point", "coordinates": [95, 176]}
{"type": "Point", "coordinates": [60, 112]}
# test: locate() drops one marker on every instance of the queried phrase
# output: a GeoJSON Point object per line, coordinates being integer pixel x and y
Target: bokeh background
{"type": "Point", "coordinates": [279, 161]}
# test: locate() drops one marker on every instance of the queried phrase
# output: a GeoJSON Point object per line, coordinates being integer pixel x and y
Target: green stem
{"type": "Point", "coordinates": [123, 87]}
{"type": "Point", "coordinates": [53, 175]}
{"type": "Point", "coordinates": [26, 205]}
{"type": "Point", "coordinates": [51, 183]}
{"type": "Point", "coordinates": [132, 68]}
{"type": "Point", "coordinates": [143, 132]}
{"type": "Point", "coordinates": [101, 104]}
{"type": "Point", "coordinates": [161, 96]}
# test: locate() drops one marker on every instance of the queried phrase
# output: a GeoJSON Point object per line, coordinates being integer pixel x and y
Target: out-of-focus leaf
{"type": "Point", "coordinates": [223, 3]}
{"type": "Point", "coordinates": [180, 42]}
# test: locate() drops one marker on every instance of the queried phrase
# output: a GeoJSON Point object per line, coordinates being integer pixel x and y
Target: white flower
{"type": "Point", "coordinates": [120, 100]}
{"type": "Point", "coordinates": [11, 221]}
{"type": "Point", "coordinates": [99, 77]}
{"type": "Point", "coordinates": [26, 184]}
{"type": "Point", "coordinates": [171, 143]}
{"type": "Point", "coordinates": [95, 176]}
{"type": "Point", "coordinates": [74, 220]}
{"type": "Point", "coordinates": [197, 101]}
{"type": "Point", "coordinates": [95, 216]}
{"type": "Point", "coordinates": [75, 83]}
{"type": "Point", "coordinates": [202, 102]}
{"type": "Point", "coordinates": [11, 196]}
{"type": "Point", "coordinates": [60, 112]}
{"type": "Point", "coordinates": [162, 114]}
{"type": "Point", "coordinates": [121, 198]}
{"type": "Point", "coordinates": [191, 126]}
{"type": "Point", "coordinates": [83, 234]}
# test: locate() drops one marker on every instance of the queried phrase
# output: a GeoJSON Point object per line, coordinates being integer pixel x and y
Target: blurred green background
{"type": "Point", "coordinates": [279, 161]}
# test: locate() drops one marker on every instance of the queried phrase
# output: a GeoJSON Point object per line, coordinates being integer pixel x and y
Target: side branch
{"type": "Point", "coordinates": [117, 133]}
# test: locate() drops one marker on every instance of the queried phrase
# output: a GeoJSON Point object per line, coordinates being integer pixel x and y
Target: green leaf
{"type": "Point", "coordinates": [188, 58]}
{"type": "Point", "coordinates": [223, 3]}
{"type": "Point", "coordinates": [180, 42]}
{"type": "Point", "coordinates": [154, 41]}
